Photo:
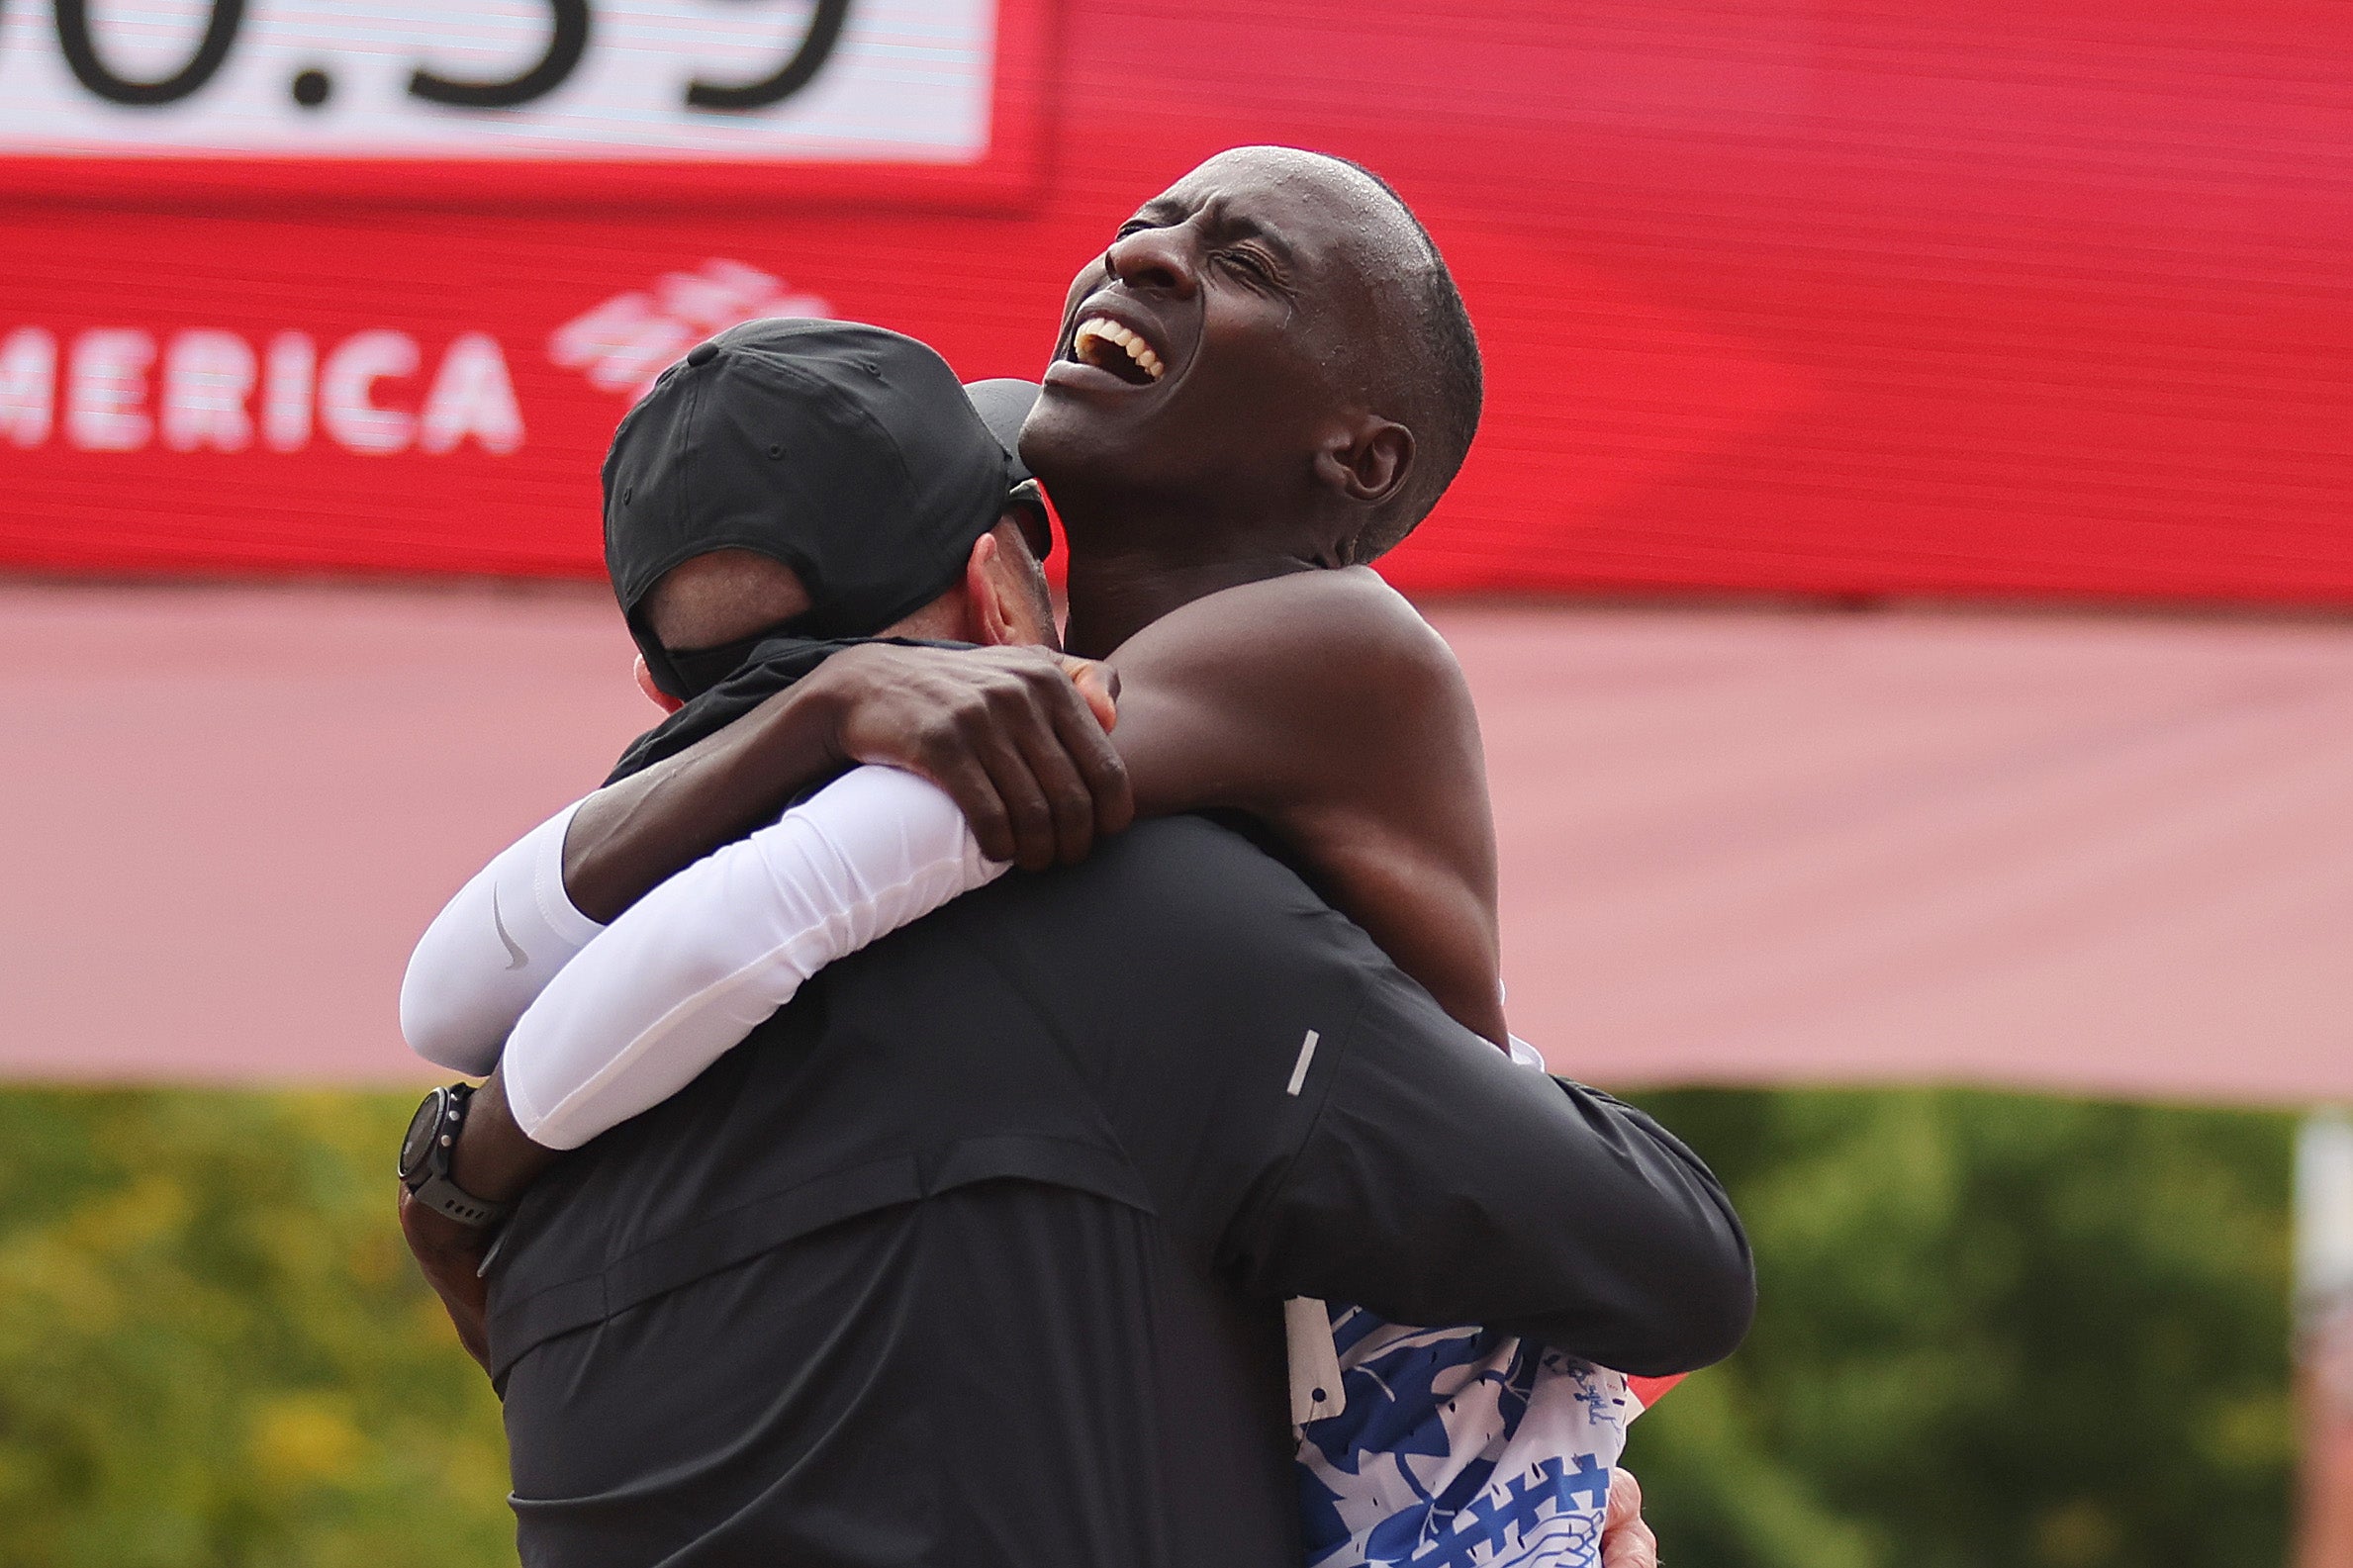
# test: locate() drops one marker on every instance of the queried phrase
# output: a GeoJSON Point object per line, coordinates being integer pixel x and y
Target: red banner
{"type": "Point", "coordinates": [1815, 297]}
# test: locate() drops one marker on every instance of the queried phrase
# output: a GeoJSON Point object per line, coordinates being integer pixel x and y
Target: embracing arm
{"type": "Point", "coordinates": [697, 964]}
{"type": "Point", "coordinates": [1442, 1183]}
{"type": "Point", "coordinates": [1013, 736]}
{"type": "Point", "coordinates": [680, 979]}
{"type": "Point", "coordinates": [1324, 706]}
{"type": "Point", "coordinates": [491, 950]}
{"type": "Point", "coordinates": [1319, 703]}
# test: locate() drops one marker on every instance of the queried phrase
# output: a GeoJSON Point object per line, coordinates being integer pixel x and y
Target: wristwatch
{"type": "Point", "coordinates": [426, 1150]}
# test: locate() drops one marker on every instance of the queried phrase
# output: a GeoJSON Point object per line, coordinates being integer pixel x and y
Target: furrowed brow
{"type": "Point", "coordinates": [1227, 224]}
{"type": "Point", "coordinates": [1270, 237]}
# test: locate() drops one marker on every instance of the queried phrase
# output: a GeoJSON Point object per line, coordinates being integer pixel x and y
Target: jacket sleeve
{"type": "Point", "coordinates": [1439, 1183]}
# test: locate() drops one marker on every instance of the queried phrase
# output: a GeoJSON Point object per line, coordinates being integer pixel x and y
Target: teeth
{"type": "Point", "coordinates": [1103, 329]}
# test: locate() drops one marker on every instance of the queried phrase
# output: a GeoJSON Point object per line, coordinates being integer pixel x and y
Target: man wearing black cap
{"type": "Point", "coordinates": [1605, 1277]}
{"type": "Point", "coordinates": [855, 434]}
{"type": "Point", "coordinates": [784, 453]}
{"type": "Point", "coordinates": [865, 440]}
{"type": "Point", "coordinates": [795, 491]}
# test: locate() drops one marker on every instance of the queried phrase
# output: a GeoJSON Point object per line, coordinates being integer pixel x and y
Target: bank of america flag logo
{"type": "Point", "coordinates": [1460, 1448]}
{"type": "Point", "coordinates": [623, 344]}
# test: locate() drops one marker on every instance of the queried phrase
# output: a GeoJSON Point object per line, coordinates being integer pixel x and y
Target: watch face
{"type": "Point", "coordinates": [418, 1142]}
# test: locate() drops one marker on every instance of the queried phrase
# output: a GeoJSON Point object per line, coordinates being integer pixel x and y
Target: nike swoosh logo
{"type": "Point", "coordinates": [515, 953]}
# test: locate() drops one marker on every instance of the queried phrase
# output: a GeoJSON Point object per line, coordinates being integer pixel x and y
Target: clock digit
{"type": "Point", "coordinates": [81, 54]}
{"type": "Point", "coordinates": [816, 48]}
{"type": "Point", "coordinates": [567, 40]}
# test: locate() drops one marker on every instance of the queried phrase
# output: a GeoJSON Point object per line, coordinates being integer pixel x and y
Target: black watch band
{"type": "Point", "coordinates": [425, 1153]}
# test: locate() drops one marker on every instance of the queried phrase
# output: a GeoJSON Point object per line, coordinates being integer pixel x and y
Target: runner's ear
{"type": "Point", "coordinates": [1367, 462]}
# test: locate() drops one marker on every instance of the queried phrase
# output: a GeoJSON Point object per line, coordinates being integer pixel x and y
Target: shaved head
{"type": "Point", "coordinates": [1430, 372]}
{"type": "Point", "coordinates": [1389, 238]}
{"type": "Point", "coordinates": [1421, 367]}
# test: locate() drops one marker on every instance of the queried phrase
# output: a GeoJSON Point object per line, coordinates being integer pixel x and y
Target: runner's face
{"type": "Point", "coordinates": [1202, 354]}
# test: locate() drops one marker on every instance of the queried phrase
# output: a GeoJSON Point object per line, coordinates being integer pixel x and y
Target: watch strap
{"type": "Point", "coordinates": [438, 1193]}
{"type": "Point", "coordinates": [433, 1186]}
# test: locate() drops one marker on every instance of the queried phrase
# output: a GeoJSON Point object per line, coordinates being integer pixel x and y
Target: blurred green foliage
{"type": "Point", "coordinates": [214, 1353]}
{"type": "Point", "coordinates": [1995, 1332]}
{"type": "Point", "coordinates": [1998, 1331]}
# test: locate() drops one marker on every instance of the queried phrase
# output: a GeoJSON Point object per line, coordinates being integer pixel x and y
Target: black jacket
{"type": "Point", "coordinates": [973, 1254]}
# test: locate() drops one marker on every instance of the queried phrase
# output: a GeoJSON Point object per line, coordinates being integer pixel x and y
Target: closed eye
{"type": "Point", "coordinates": [1251, 265]}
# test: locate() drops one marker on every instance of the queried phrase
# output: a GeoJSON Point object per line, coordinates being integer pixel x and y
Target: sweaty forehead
{"type": "Point", "coordinates": [1330, 215]}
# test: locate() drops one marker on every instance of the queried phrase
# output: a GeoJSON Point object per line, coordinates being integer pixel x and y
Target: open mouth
{"type": "Point", "coordinates": [1109, 346]}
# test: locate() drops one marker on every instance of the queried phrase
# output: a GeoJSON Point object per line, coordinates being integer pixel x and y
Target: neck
{"type": "Point", "coordinates": [1136, 555]}
{"type": "Point", "coordinates": [1116, 595]}
{"type": "Point", "coordinates": [946, 618]}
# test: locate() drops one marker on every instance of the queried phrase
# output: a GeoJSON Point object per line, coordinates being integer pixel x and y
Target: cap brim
{"type": "Point", "coordinates": [1002, 403]}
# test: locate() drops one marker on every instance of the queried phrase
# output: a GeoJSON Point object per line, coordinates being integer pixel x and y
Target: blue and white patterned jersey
{"type": "Point", "coordinates": [1459, 1448]}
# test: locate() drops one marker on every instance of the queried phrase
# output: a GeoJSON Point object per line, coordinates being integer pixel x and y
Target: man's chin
{"type": "Point", "coordinates": [1077, 443]}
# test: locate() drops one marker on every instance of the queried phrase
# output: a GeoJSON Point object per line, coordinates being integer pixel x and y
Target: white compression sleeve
{"type": "Point", "coordinates": [489, 952]}
{"type": "Point", "coordinates": [704, 959]}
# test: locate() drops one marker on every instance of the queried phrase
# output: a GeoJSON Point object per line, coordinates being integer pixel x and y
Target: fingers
{"type": "Point", "coordinates": [1099, 685]}
{"type": "Point", "coordinates": [469, 1318]}
{"type": "Point", "coordinates": [1038, 738]}
{"type": "Point", "coordinates": [1628, 1546]}
{"type": "Point", "coordinates": [967, 782]}
{"type": "Point", "coordinates": [1069, 804]}
{"type": "Point", "coordinates": [1004, 750]}
{"type": "Point", "coordinates": [1082, 773]}
{"type": "Point", "coordinates": [1101, 771]}
{"type": "Point", "coordinates": [984, 773]}
{"type": "Point", "coordinates": [1043, 714]}
{"type": "Point", "coordinates": [1626, 1538]}
{"type": "Point", "coordinates": [1016, 736]}
{"type": "Point", "coordinates": [1625, 1498]}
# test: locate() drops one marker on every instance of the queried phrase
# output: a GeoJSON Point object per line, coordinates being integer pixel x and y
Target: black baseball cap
{"type": "Point", "coordinates": [848, 452]}
{"type": "Point", "coordinates": [1002, 405]}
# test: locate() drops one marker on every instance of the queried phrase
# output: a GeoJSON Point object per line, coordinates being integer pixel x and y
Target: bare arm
{"type": "Point", "coordinates": [1319, 703]}
{"type": "Point", "coordinates": [1323, 705]}
{"type": "Point", "coordinates": [1013, 735]}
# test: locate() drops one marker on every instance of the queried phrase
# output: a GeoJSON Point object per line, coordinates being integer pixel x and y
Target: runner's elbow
{"type": "Point", "coordinates": [443, 1033]}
